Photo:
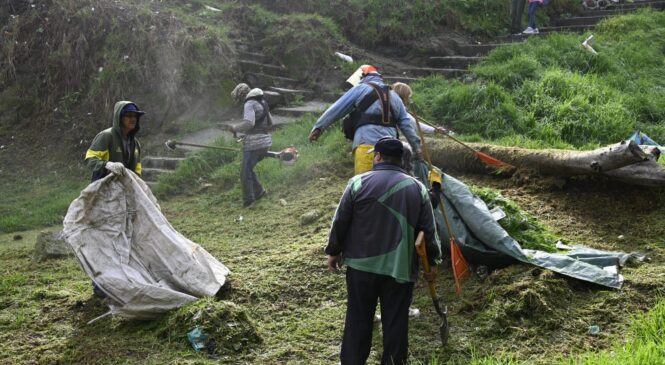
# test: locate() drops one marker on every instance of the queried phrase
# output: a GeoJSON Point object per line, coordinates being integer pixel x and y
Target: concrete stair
{"type": "Point", "coordinates": [152, 174]}
{"type": "Point", "coordinates": [257, 67]}
{"type": "Point", "coordinates": [315, 107]}
{"type": "Point", "coordinates": [453, 62]}
{"type": "Point", "coordinates": [158, 162]}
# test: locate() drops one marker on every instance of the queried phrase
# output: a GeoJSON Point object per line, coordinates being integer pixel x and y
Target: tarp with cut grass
{"type": "Point", "coordinates": [483, 240]}
{"type": "Point", "coordinates": [126, 245]}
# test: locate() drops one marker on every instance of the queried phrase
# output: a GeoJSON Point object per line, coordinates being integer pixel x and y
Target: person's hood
{"type": "Point", "coordinates": [117, 128]}
{"type": "Point", "coordinates": [254, 93]}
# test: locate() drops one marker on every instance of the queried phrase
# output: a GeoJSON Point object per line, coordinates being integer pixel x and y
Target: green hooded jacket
{"type": "Point", "coordinates": [107, 146]}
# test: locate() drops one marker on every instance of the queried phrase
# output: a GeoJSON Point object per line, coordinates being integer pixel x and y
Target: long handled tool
{"type": "Point", "coordinates": [484, 158]}
{"type": "Point", "coordinates": [444, 329]}
{"type": "Point", "coordinates": [287, 156]}
{"type": "Point", "coordinates": [460, 267]}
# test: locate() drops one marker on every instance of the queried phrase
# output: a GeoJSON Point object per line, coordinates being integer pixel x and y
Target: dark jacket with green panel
{"type": "Point", "coordinates": [377, 220]}
{"type": "Point", "coordinates": [108, 146]}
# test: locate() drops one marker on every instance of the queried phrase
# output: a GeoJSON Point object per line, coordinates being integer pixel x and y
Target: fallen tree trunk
{"type": "Point", "coordinates": [548, 162]}
{"type": "Point", "coordinates": [647, 173]}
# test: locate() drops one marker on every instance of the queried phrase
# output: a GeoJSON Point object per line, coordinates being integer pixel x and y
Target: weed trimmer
{"type": "Point", "coordinates": [444, 329]}
{"type": "Point", "coordinates": [287, 156]}
{"type": "Point", "coordinates": [486, 159]}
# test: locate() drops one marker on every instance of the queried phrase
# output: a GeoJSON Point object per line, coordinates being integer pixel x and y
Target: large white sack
{"type": "Point", "coordinates": [126, 245]}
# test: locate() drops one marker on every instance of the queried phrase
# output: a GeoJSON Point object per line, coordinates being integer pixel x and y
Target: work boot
{"type": "Point", "coordinates": [261, 195]}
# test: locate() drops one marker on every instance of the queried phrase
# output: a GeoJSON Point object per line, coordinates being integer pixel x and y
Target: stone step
{"type": "Point", "coordinates": [264, 81]}
{"type": "Point", "coordinates": [624, 5]}
{"type": "Point", "coordinates": [274, 98]}
{"type": "Point", "coordinates": [291, 94]}
{"type": "Point", "coordinates": [426, 71]}
{"type": "Point", "coordinates": [152, 174]}
{"type": "Point", "coordinates": [252, 66]}
{"type": "Point", "coordinates": [625, 8]}
{"type": "Point", "coordinates": [585, 20]}
{"type": "Point", "coordinates": [477, 50]}
{"type": "Point", "coordinates": [389, 79]}
{"type": "Point", "coordinates": [255, 56]}
{"type": "Point", "coordinates": [459, 62]}
{"type": "Point", "coordinates": [159, 162]}
{"type": "Point", "coordinates": [313, 106]}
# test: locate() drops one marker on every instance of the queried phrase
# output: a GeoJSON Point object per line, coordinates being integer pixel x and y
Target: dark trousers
{"type": "Point", "coordinates": [516, 11]}
{"type": "Point", "coordinates": [363, 290]}
{"type": "Point", "coordinates": [251, 188]}
{"type": "Point", "coordinates": [532, 14]}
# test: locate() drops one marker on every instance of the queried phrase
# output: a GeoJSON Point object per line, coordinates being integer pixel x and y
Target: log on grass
{"type": "Point", "coordinates": [447, 155]}
{"type": "Point", "coordinates": [647, 173]}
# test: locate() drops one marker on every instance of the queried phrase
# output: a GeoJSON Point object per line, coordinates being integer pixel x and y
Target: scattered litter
{"type": "Point", "coordinates": [197, 338]}
{"type": "Point", "coordinates": [562, 246]}
{"type": "Point", "coordinates": [620, 237]}
{"type": "Point", "coordinates": [587, 45]}
{"type": "Point", "coordinates": [593, 330]}
{"type": "Point", "coordinates": [92, 9]}
{"type": "Point", "coordinates": [239, 219]}
{"type": "Point", "coordinates": [344, 57]}
{"type": "Point", "coordinates": [2, 147]}
{"type": "Point", "coordinates": [497, 213]}
{"type": "Point", "coordinates": [283, 202]}
{"type": "Point", "coordinates": [125, 57]}
{"type": "Point", "coordinates": [100, 69]}
{"type": "Point", "coordinates": [211, 8]}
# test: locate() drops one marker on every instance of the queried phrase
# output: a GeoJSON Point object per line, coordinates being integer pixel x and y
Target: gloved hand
{"type": "Point", "coordinates": [314, 134]}
{"type": "Point", "coordinates": [116, 168]}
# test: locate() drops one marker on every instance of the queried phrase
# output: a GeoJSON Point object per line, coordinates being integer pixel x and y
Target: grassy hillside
{"type": "Point", "coordinates": [551, 92]}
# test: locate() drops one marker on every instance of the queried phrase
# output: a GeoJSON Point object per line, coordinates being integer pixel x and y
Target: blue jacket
{"type": "Point", "coordinates": [377, 221]}
{"type": "Point", "coordinates": [369, 133]}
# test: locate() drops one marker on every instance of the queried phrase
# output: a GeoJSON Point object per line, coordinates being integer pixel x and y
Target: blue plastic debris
{"type": "Point", "coordinates": [197, 338]}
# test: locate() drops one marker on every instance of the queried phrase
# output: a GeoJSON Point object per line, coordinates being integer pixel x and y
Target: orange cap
{"type": "Point", "coordinates": [367, 69]}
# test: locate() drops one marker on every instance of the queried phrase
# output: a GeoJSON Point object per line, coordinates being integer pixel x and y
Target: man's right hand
{"type": "Point", "coordinates": [334, 263]}
{"type": "Point", "coordinates": [116, 168]}
{"type": "Point", "coordinates": [314, 134]}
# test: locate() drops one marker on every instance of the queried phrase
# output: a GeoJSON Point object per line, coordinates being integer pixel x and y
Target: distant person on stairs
{"type": "Point", "coordinates": [374, 111]}
{"type": "Point", "coordinates": [533, 6]}
{"type": "Point", "coordinates": [256, 125]}
{"type": "Point", "coordinates": [116, 148]}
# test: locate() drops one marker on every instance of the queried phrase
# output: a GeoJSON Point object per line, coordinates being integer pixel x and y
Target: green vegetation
{"type": "Point", "coordinates": [372, 22]}
{"type": "Point", "coordinates": [520, 225]}
{"type": "Point", "coordinates": [38, 203]}
{"type": "Point", "coordinates": [550, 92]}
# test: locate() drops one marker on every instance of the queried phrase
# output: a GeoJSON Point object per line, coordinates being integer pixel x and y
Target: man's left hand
{"type": "Point", "coordinates": [334, 263]}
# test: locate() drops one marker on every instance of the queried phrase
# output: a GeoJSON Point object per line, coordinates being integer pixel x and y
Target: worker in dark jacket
{"type": "Point", "coordinates": [117, 148]}
{"type": "Point", "coordinates": [256, 125]}
{"type": "Point", "coordinates": [373, 232]}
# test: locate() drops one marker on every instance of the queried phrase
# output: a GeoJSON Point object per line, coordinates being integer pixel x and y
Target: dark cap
{"type": "Point", "coordinates": [388, 146]}
{"type": "Point", "coordinates": [131, 108]}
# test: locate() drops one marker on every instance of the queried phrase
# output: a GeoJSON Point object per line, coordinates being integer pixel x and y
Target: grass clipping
{"type": "Point", "coordinates": [222, 321]}
{"type": "Point", "coordinates": [521, 226]}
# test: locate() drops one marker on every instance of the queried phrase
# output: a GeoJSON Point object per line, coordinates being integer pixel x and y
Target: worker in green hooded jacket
{"type": "Point", "coordinates": [117, 148]}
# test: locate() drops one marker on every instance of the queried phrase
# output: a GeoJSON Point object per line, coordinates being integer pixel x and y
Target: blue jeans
{"type": "Point", "coordinates": [251, 188]}
{"type": "Point", "coordinates": [532, 14]}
